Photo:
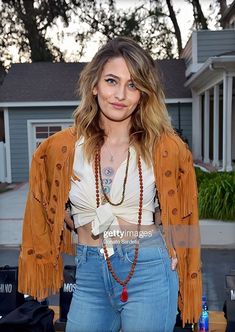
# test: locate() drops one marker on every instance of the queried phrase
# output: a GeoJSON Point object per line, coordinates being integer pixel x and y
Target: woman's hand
{"type": "Point", "coordinates": [68, 220]}
{"type": "Point", "coordinates": [174, 260]}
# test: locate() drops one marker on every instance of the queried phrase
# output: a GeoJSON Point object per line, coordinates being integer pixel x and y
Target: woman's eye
{"type": "Point", "coordinates": [132, 86]}
{"type": "Point", "coordinates": [110, 81]}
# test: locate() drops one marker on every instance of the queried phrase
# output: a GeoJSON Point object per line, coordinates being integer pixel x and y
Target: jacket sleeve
{"type": "Point", "coordinates": [38, 273]}
{"type": "Point", "coordinates": [177, 191]}
{"type": "Point", "coordinates": [188, 194]}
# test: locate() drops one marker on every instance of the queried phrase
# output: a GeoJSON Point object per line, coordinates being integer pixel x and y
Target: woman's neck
{"type": "Point", "coordinates": [116, 132]}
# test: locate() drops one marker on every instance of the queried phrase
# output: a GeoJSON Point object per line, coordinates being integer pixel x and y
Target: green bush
{"type": "Point", "coordinates": [216, 195]}
{"type": "Point", "coordinates": [201, 176]}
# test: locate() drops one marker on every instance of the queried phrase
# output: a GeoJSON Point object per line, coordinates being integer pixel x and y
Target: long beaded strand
{"type": "Point", "coordinates": [123, 283]}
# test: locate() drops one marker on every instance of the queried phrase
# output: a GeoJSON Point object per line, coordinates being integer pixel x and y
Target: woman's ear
{"type": "Point", "coordinates": [95, 91]}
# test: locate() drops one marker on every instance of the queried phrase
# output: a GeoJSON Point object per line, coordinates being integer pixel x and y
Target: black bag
{"type": "Point", "coordinates": [10, 298]}
{"type": "Point", "coordinates": [229, 305]}
{"type": "Point", "coordinates": [179, 328]}
{"type": "Point", "coordinates": [31, 316]}
{"type": "Point", "coordinates": [230, 284]}
{"type": "Point", "coordinates": [229, 314]}
{"type": "Point", "coordinates": [66, 291]}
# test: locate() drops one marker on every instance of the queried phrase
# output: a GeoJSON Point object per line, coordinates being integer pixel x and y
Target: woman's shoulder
{"type": "Point", "coordinates": [171, 141]}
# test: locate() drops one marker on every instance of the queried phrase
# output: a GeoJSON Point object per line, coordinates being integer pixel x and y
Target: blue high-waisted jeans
{"type": "Point", "coordinates": [152, 291]}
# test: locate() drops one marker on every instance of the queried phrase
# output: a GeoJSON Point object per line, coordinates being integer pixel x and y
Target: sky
{"type": "Point", "coordinates": [184, 16]}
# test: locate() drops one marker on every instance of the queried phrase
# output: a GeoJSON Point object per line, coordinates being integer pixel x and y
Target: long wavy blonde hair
{"type": "Point", "coordinates": [148, 122]}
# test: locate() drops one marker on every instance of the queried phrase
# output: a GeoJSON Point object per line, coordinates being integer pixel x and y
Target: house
{"type": "Point", "coordinates": [38, 99]}
{"type": "Point", "coordinates": [210, 70]}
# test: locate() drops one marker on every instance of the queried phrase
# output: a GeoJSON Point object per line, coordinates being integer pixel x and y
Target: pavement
{"type": "Point", "coordinates": [217, 238]}
{"type": "Point", "coordinates": [214, 233]}
{"type": "Point", "coordinates": [12, 204]}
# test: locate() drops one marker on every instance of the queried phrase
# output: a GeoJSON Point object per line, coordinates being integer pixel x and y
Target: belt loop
{"type": "Point", "coordinates": [84, 254]}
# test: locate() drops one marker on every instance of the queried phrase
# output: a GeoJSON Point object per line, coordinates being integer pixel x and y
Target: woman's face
{"type": "Point", "coordinates": [116, 92]}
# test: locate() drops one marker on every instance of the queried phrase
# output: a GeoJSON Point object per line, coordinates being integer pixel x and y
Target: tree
{"type": "Point", "coordinates": [30, 24]}
{"type": "Point", "coordinates": [2, 73]}
{"type": "Point", "coordinates": [24, 23]}
{"type": "Point", "coordinates": [146, 24]}
{"type": "Point", "coordinates": [223, 6]}
{"type": "Point", "coordinates": [173, 18]}
{"type": "Point", "coordinates": [199, 19]}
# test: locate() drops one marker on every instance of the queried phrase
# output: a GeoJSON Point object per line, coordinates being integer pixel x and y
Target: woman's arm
{"type": "Point", "coordinates": [157, 217]}
{"type": "Point", "coordinates": [68, 220]}
{"type": "Point", "coordinates": [158, 223]}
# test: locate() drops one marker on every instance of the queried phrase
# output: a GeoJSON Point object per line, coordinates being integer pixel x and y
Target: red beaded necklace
{"type": "Point", "coordinates": [123, 283]}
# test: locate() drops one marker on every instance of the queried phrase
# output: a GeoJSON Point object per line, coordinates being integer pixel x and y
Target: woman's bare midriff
{"type": "Point", "coordinates": [127, 232]}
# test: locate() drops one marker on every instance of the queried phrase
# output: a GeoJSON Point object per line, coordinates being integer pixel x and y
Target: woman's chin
{"type": "Point", "coordinates": [117, 118]}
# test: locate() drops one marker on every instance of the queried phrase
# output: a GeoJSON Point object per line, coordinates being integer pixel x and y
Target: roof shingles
{"type": "Point", "coordinates": [46, 81]}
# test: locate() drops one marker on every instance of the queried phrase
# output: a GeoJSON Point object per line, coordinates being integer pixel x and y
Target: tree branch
{"type": "Point", "coordinates": [176, 26]}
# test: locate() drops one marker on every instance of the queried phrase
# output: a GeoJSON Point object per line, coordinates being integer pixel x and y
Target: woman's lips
{"type": "Point", "coordinates": [118, 105]}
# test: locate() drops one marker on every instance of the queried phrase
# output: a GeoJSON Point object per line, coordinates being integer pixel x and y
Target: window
{"type": "Point", "coordinates": [39, 130]}
{"type": "Point", "coordinates": [42, 132]}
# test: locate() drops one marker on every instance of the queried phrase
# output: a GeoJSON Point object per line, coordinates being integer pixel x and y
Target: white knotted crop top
{"type": "Point", "coordinates": [82, 194]}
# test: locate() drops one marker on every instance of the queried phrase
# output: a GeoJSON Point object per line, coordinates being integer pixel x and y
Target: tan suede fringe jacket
{"type": "Point", "coordinates": [45, 237]}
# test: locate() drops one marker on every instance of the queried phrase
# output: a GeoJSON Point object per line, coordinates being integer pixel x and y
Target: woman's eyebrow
{"type": "Point", "coordinates": [112, 75]}
{"type": "Point", "coordinates": [115, 76]}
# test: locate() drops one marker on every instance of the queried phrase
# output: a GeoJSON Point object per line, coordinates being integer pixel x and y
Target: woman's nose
{"type": "Point", "coordinates": [120, 92]}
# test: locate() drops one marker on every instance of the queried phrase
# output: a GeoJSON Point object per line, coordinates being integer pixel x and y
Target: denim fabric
{"type": "Point", "coordinates": [152, 291]}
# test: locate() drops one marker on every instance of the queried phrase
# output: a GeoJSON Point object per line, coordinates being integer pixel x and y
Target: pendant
{"type": "Point", "coordinates": [124, 295]}
{"type": "Point", "coordinates": [103, 200]}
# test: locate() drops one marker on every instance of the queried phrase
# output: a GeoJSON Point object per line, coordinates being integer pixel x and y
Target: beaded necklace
{"type": "Point", "coordinates": [123, 283]}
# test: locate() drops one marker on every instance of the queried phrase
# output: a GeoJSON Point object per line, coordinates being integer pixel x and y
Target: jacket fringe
{"type": "Point", "coordinates": [68, 247]}
{"type": "Point", "coordinates": [37, 181]}
{"type": "Point", "coordinates": [195, 292]}
{"type": "Point", "coordinates": [187, 186]}
{"type": "Point", "coordinates": [49, 279]}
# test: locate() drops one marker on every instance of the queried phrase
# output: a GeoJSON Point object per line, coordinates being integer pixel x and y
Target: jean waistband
{"type": "Point", "coordinates": [154, 239]}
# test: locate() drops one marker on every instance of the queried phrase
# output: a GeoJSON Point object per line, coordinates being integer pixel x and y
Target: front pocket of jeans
{"type": "Point", "coordinates": [145, 256]}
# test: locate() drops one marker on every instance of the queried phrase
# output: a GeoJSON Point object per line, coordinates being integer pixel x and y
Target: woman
{"type": "Point", "coordinates": [120, 163]}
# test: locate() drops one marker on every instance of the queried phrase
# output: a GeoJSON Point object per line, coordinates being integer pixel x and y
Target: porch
{"type": "Point", "coordinates": [213, 114]}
